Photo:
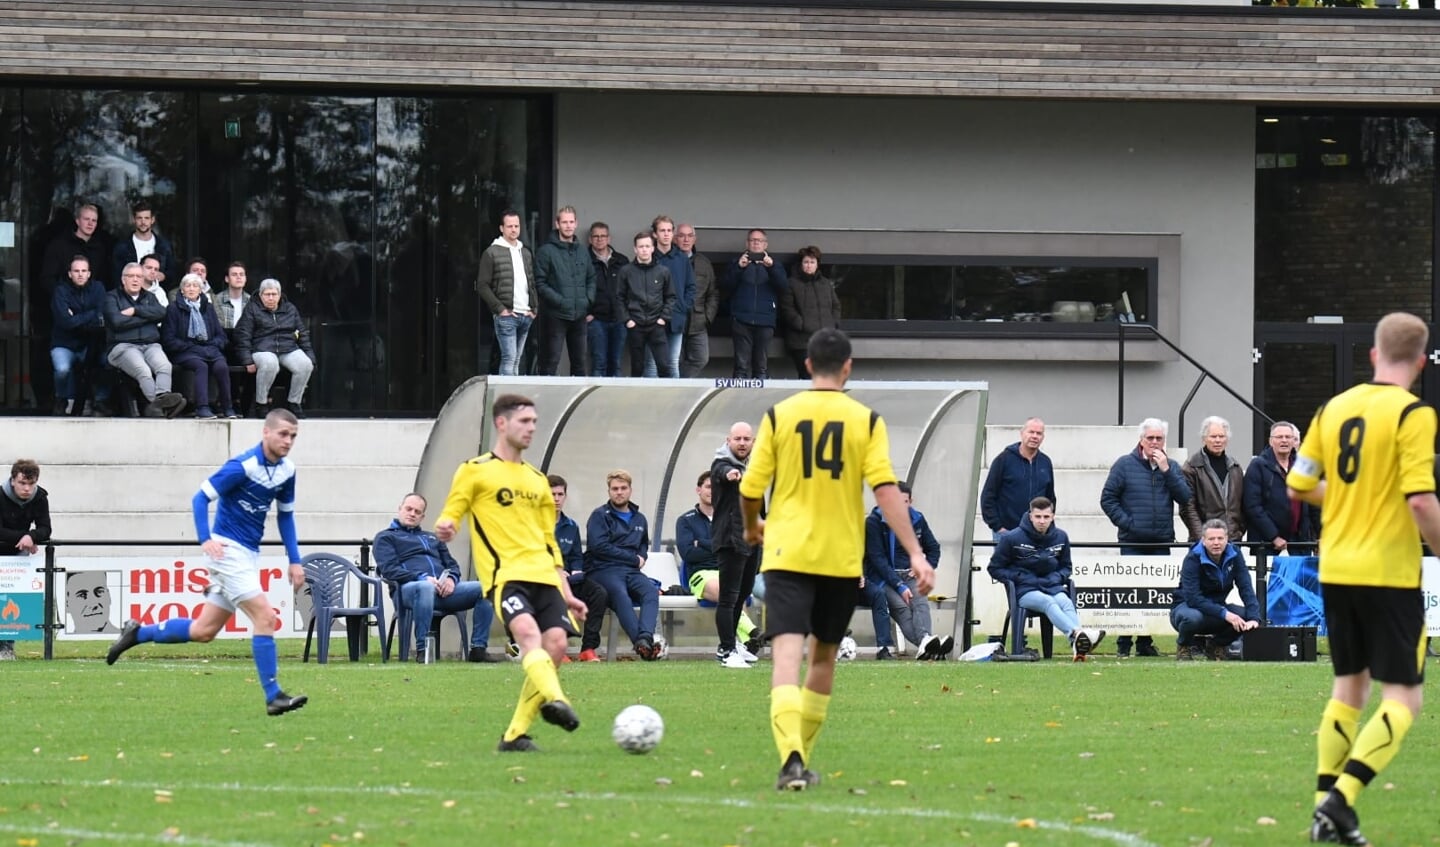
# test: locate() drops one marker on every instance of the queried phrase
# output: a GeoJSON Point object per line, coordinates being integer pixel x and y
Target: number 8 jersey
{"type": "Point", "coordinates": [819, 448]}
{"type": "Point", "coordinates": [1374, 446]}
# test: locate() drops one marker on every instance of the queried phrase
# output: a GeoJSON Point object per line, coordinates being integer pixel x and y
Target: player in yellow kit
{"type": "Point", "coordinates": [819, 448]}
{"type": "Point", "coordinates": [1368, 461]}
{"type": "Point", "coordinates": [512, 542]}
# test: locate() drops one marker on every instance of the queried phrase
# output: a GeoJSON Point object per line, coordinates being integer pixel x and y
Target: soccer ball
{"type": "Point", "coordinates": [664, 647]}
{"type": "Point", "coordinates": [638, 729]}
{"type": "Point", "coordinates": [848, 649]}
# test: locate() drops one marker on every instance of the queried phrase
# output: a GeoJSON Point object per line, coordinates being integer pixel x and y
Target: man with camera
{"type": "Point", "coordinates": [753, 284]}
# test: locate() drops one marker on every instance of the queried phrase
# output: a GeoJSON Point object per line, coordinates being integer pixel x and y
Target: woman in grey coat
{"type": "Point", "coordinates": [809, 304]}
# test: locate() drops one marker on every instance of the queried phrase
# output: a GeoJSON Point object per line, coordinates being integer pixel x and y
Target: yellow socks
{"type": "Point", "coordinates": [785, 720]}
{"type": "Point", "coordinates": [813, 707]}
{"type": "Point", "coordinates": [1337, 735]}
{"type": "Point", "coordinates": [1378, 743]}
{"type": "Point", "coordinates": [526, 710]}
{"type": "Point", "coordinates": [540, 671]}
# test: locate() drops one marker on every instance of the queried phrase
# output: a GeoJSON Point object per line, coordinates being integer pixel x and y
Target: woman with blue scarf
{"type": "Point", "coordinates": [194, 340]}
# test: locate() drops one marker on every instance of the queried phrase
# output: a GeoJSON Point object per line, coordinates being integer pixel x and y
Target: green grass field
{"type": "Point", "coordinates": [169, 749]}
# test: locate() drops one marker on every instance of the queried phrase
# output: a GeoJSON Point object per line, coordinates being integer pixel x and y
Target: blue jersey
{"type": "Point", "coordinates": [245, 487]}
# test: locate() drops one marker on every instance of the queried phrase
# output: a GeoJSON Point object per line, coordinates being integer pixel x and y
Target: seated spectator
{"type": "Point", "coordinates": [427, 579]}
{"type": "Point", "coordinates": [873, 594]}
{"type": "Point", "coordinates": [904, 604]}
{"type": "Point", "coordinates": [192, 336]}
{"type": "Point", "coordinates": [269, 335]}
{"type": "Point", "coordinates": [809, 304]}
{"type": "Point", "coordinates": [617, 541]}
{"type": "Point", "coordinates": [1273, 518]}
{"type": "Point", "coordinates": [200, 268]}
{"type": "Point", "coordinates": [24, 520]}
{"type": "Point", "coordinates": [590, 592]}
{"type": "Point", "coordinates": [702, 569]}
{"type": "Point", "coordinates": [77, 341]}
{"type": "Point", "coordinates": [153, 278]}
{"type": "Point", "coordinates": [1035, 556]}
{"type": "Point", "coordinates": [132, 329]}
{"type": "Point", "coordinates": [1212, 569]}
{"type": "Point", "coordinates": [1217, 483]}
{"type": "Point", "coordinates": [231, 301]}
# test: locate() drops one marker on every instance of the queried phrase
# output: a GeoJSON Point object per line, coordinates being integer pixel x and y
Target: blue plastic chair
{"type": "Point", "coordinates": [1016, 618]}
{"type": "Point", "coordinates": [327, 574]}
{"type": "Point", "coordinates": [403, 622]}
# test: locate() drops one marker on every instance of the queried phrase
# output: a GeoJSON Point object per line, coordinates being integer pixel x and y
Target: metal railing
{"type": "Point", "coordinates": [1205, 373]}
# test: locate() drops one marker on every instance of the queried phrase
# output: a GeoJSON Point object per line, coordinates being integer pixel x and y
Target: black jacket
{"type": "Point", "coordinates": [647, 293]}
{"type": "Point", "coordinates": [1032, 561]}
{"type": "Point", "coordinates": [17, 521]}
{"type": "Point", "coordinates": [260, 330]}
{"type": "Point", "coordinates": [806, 306]}
{"type": "Point", "coordinates": [607, 305]}
{"type": "Point", "coordinates": [175, 332]}
{"type": "Point", "coordinates": [143, 327]}
{"type": "Point", "coordinates": [1268, 510]}
{"type": "Point", "coordinates": [124, 254]}
{"type": "Point", "coordinates": [727, 528]}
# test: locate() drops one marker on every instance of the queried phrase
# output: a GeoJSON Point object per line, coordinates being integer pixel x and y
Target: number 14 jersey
{"type": "Point", "coordinates": [1374, 445]}
{"type": "Point", "coordinates": [819, 448]}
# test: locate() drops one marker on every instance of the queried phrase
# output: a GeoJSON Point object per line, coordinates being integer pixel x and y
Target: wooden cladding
{"type": "Point", "coordinates": [1262, 56]}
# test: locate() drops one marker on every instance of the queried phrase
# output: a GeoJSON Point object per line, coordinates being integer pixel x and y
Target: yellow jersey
{"type": "Point", "coordinates": [818, 448]}
{"type": "Point", "coordinates": [1374, 446]}
{"type": "Point", "coordinates": [512, 521]}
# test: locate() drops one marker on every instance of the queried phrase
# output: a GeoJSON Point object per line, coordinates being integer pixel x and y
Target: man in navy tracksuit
{"type": "Point", "coordinates": [617, 540]}
{"type": "Point", "coordinates": [567, 535]}
{"type": "Point", "coordinates": [891, 589]}
{"type": "Point", "coordinates": [1211, 571]}
{"type": "Point", "coordinates": [427, 578]}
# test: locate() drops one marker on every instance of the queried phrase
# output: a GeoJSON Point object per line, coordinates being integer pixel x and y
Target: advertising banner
{"type": "Point", "coordinates": [22, 598]}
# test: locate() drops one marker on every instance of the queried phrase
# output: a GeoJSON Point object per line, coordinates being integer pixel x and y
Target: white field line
{"type": "Point", "coordinates": [139, 837]}
{"type": "Point", "coordinates": [1094, 833]}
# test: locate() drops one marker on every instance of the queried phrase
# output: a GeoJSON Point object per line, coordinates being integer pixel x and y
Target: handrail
{"type": "Point", "coordinates": [1205, 373]}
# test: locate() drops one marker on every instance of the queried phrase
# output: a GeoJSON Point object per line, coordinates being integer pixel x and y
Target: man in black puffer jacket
{"type": "Point", "coordinates": [649, 300]}
{"type": "Point", "coordinates": [1035, 556]}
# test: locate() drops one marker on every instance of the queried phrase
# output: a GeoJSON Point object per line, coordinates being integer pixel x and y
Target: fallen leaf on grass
{"type": "Point", "coordinates": [1265, 820]}
{"type": "Point", "coordinates": [1087, 755]}
{"type": "Point", "coordinates": [1027, 823]}
{"type": "Point", "coordinates": [1053, 724]}
{"type": "Point", "coordinates": [517, 778]}
{"type": "Point", "coordinates": [80, 758]}
{"type": "Point", "coordinates": [448, 804]}
{"type": "Point", "coordinates": [898, 782]}
{"type": "Point", "coordinates": [1101, 816]}
{"type": "Point", "coordinates": [170, 832]}
{"type": "Point", "coordinates": [697, 774]}
{"type": "Point", "coordinates": [662, 780]}
{"type": "Point", "coordinates": [859, 792]}
{"type": "Point", "coordinates": [992, 740]}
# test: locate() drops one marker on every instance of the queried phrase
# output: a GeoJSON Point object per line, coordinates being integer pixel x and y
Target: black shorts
{"type": "Point", "coordinates": [1381, 630]}
{"type": "Point", "coordinates": [806, 604]}
{"type": "Point", "coordinates": [545, 603]}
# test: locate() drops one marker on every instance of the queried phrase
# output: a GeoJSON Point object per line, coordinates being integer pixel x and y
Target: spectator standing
{"type": "Point", "coordinates": [85, 240]}
{"type": "Point", "coordinates": [695, 352]}
{"type": "Point", "coordinates": [1217, 483]}
{"type": "Point", "coordinates": [507, 285]}
{"type": "Point", "coordinates": [143, 241]}
{"type": "Point", "coordinates": [587, 591]}
{"type": "Point", "coordinates": [1213, 568]}
{"type": "Point", "coordinates": [271, 335]}
{"type": "Point", "coordinates": [132, 329]}
{"type": "Point", "coordinates": [1139, 498]}
{"type": "Point", "coordinates": [1035, 556]}
{"type": "Point", "coordinates": [192, 337]}
{"type": "Point", "coordinates": [682, 282]}
{"type": "Point", "coordinates": [895, 583]}
{"type": "Point", "coordinates": [617, 539]}
{"type": "Point", "coordinates": [1017, 475]}
{"type": "Point", "coordinates": [427, 579]}
{"type": "Point", "coordinates": [649, 299]}
{"type": "Point", "coordinates": [565, 279]}
{"type": "Point", "coordinates": [606, 321]}
{"type": "Point", "coordinates": [753, 285]}
{"type": "Point", "coordinates": [693, 538]}
{"type": "Point", "coordinates": [77, 342]}
{"type": "Point", "coordinates": [1273, 518]}
{"type": "Point", "coordinates": [737, 559]}
{"type": "Point", "coordinates": [24, 520]}
{"type": "Point", "coordinates": [810, 303]}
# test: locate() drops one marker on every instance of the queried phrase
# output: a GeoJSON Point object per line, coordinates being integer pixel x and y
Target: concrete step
{"type": "Point", "coordinates": [180, 527]}
{"type": "Point", "coordinates": [160, 489]}
{"type": "Point", "coordinates": [1075, 446]}
{"type": "Point", "coordinates": [1087, 528]}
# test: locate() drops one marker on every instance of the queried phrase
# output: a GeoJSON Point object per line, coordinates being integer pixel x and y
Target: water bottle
{"type": "Point", "coordinates": [1292, 648]}
{"type": "Point", "coordinates": [431, 650]}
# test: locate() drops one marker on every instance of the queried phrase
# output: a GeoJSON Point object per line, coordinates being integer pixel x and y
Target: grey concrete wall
{"type": "Point", "coordinates": [891, 163]}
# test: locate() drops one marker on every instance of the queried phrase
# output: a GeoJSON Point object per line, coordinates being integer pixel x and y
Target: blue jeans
{"type": "Point", "coordinates": [607, 345]}
{"type": "Point", "coordinates": [420, 600]}
{"type": "Point", "coordinates": [1059, 608]}
{"type": "Point", "coordinates": [628, 588]}
{"type": "Point", "coordinates": [676, 343]}
{"type": "Point", "coordinates": [65, 361]}
{"type": "Point", "coordinates": [873, 595]}
{"type": "Point", "coordinates": [1190, 622]}
{"type": "Point", "coordinates": [510, 333]}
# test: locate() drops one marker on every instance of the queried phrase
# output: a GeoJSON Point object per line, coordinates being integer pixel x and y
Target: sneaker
{"type": "Point", "coordinates": [884, 654]}
{"type": "Point", "coordinates": [733, 660]}
{"type": "Point", "coordinates": [1336, 822]}
{"type": "Point", "coordinates": [205, 413]}
{"type": "Point", "coordinates": [645, 648]}
{"type": "Point", "coordinates": [153, 409]}
{"type": "Point", "coordinates": [944, 647]}
{"type": "Point", "coordinates": [519, 744]}
{"type": "Point", "coordinates": [754, 645]}
{"type": "Point", "coordinates": [926, 650]}
{"type": "Point", "coordinates": [792, 775]}
{"type": "Point", "coordinates": [1080, 643]}
{"type": "Point", "coordinates": [231, 414]}
{"type": "Point", "coordinates": [171, 403]}
{"type": "Point", "coordinates": [259, 410]}
{"type": "Point", "coordinates": [479, 654]}
{"type": "Point", "coordinates": [282, 703]}
{"type": "Point", "coordinates": [1096, 636]}
{"type": "Point", "coordinates": [744, 653]}
{"type": "Point", "coordinates": [1217, 654]}
{"type": "Point", "coordinates": [129, 637]}
{"type": "Point", "coordinates": [559, 713]}
{"type": "Point", "coordinates": [1188, 654]}
{"type": "Point", "coordinates": [1147, 650]}
{"type": "Point", "coordinates": [512, 650]}
{"type": "Point", "coordinates": [589, 655]}
{"type": "Point", "coordinates": [421, 647]}
{"type": "Point", "coordinates": [7, 652]}
{"type": "Point", "coordinates": [811, 778]}
{"type": "Point", "coordinates": [297, 410]}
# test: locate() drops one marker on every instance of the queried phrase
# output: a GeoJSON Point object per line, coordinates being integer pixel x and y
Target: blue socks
{"type": "Point", "coordinates": [262, 647]}
{"type": "Point", "coordinates": [173, 631]}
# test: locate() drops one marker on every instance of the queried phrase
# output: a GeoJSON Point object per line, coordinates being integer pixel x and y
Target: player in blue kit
{"type": "Point", "coordinates": [244, 488]}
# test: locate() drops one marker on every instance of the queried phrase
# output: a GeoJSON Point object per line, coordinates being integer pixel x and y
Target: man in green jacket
{"type": "Point", "coordinates": [565, 277]}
